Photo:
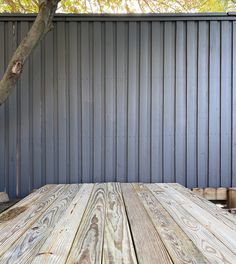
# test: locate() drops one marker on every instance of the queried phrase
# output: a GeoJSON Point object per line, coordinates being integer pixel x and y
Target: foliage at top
{"type": "Point", "coordinates": [123, 6]}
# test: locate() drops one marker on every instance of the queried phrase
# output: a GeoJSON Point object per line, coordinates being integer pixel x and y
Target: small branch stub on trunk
{"type": "Point", "coordinates": [41, 26]}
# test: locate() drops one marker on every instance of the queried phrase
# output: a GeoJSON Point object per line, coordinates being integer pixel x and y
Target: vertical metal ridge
{"type": "Point", "coordinates": [118, 90]}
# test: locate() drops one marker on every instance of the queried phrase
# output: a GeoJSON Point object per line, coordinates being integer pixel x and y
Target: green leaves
{"type": "Point", "coordinates": [122, 6]}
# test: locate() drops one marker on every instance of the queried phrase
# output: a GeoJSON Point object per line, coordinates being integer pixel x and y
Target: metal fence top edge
{"type": "Point", "coordinates": [125, 17]}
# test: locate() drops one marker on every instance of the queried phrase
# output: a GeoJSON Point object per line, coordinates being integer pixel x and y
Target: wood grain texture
{"type": "Point", "coordinates": [118, 246]}
{"type": "Point", "coordinates": [153, 250]}
{"type": "Point", "coordinates": [26, 203]}
{"type": "Point", "coordinates": [20, 217]}
{"type": "Point", "coordinates": [225, 217]}
{"type": "Point", "coordinates": [117, 223]}
{"type": "Point", "coordinates": [214, 250]}
{"type": "Point", "coordinates": [60, 241]}
{"type": "Point", "coordinates": [178, 244]}
{"type": "Point", "coordinates": [225, 234]}
{"type": "Point", "coordinates": [25, 248]}
{"type": "Point", "coordinates": [88, 242]}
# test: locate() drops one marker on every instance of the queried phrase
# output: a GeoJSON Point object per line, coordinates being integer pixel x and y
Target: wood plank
{"type": "Point", "coordinates": [214, 250]}
{"type": "Point", "coordinates": [153, 250]}
{"type": "Point", "coordinates": [179, 246]}
{"type": "Point", "coordinates": [118, 246]}
{"type": "Point", "coordinates": [211, 222]}
{"type": "Point", "coordinates": [209, 193]}
{"type": "Point", "coordinates": [221, 193]}
{"type": "Point", "coordinates": [231, 203]}
{"type": "Point", "coordinates": [24, 249]}
{"type": "Point", "coordinates": [198, 191]}
{"type": "Point", "coordinates": [16, 220]}
{"type": "Point", "coordinates": [225, 217]}
{"type": "Point", "coordinates": [23, 204]}
{"type": "Point", "coordinates": [88, 243]}
{"type": "Point", "coordinates": [58, 244]}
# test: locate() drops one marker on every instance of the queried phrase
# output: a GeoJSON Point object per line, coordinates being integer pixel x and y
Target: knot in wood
{"type": "Point", "coordinates": [17, 67]}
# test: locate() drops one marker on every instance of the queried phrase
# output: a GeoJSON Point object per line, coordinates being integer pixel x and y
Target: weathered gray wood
{"type": "Point", "coordinates": [26, 247]}
{"type": "Point", "coordinates": [19, 218]}
{"type": "Point", "coordinates": [222, 232]}
{"type": "Point", "coordinates": [109, 223]}
{"type": "Point", "coordinates": [179, 246]}
{"type": "Point", "coordinates": [213, 249]}
{"type": "Point", "coordinates": [117, 245]}
{"type": "Point", "coordinates": [88, 242]}
{"type": "Point", "coordinates": [57, 246]}
{"type": "Point", "coordinates": [153, 250]}
{"type": "Point", "coordinates": [222, 215]}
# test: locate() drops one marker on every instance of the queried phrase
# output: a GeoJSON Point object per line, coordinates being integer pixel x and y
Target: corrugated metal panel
{"type": "Point", "coordinates": [115, 100]}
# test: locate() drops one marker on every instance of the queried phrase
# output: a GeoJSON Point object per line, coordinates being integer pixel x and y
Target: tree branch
{"type": "Point", "coordinates": [40, 27]}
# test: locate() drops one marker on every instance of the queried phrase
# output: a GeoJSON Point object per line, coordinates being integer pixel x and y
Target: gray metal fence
{"type": "Point", "coordinates": [129, 98]}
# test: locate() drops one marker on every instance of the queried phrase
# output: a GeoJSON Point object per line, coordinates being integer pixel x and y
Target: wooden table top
{"type": "Point", "coordinates": [116, 223]}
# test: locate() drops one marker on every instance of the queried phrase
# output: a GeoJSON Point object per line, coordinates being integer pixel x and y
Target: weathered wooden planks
{"type": "Point", "coordinates": [219, 230]}
{"type": "Point", "coordinates": [213, 249]}
{"type": "Point", "coordinates": [116, 223]}
{"type": "Point", "coordinates": [88, 242]}
{"type": "Point", "coordinates": [211, 208]}
{"type": "Point", "coordinates": [148, 244]}
{"type": "Point", "coordinates": [23, 250]}
{"type": "Point", "coordinates": [179, 246]}
{"type": "Point", "coordinates": [118, 246]}
{"type": "Point", "coordinates": [62, 236]}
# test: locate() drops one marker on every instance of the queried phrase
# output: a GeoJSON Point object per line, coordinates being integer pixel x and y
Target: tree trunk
{"type": "Point", "coordinates": [40, 27]}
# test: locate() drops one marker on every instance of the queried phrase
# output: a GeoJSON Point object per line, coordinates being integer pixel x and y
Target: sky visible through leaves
{"type": "Point", "coordinates": [123, 6]}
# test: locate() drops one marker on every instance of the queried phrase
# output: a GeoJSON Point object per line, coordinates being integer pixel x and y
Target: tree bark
{"type": "Point", "coordinates": [40, 27]}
